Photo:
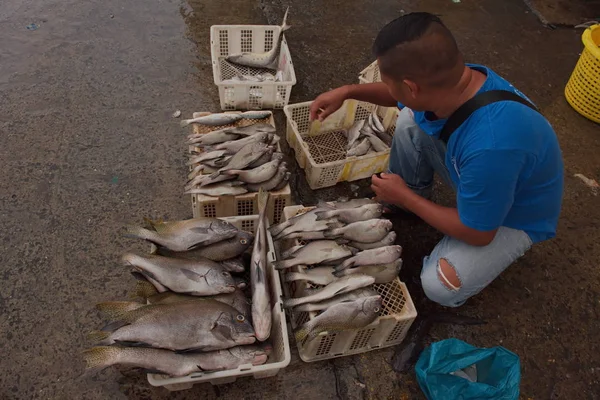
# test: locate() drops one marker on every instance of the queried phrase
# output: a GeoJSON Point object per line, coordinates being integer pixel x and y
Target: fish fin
{"type": "Point", "coordinates": [232, 172]}
{"type": "Point", "coordinates": [276, 229]}
{"type": "Point", "coordinates": [331, 233]}
{"type": "Point", "coordinates": [185, 122]}
{"type": "Point", "coordinates": [263, 198]}
{"type": "Point", "coordinates": [343, 289]}
{"type": "Point", "coordinates": [147, 274]}
{"type": "Point", "coordinates": [116, 309]}
{"type": "Point", "coordinates": [191, 350]}
{"type": "Point", "coordinates": [98, 357]}
{"type": "Point", "coordinates": [237, 183]}
{"type": "Point", "coordinates": [98, 336]}
{"type": "Point", "coordinates": [349, 263]}
{"type": "Point", "coordinates": [136, 232]}
{"type": "Point", "coordinates": [259, 273]}
{"type": "Point", "coordinates": [208, 149]}
{"type": "Point", "coordinates": [321, 215]}
{"type": "Point", "coordinates": [191, 275]}
{"type": "Point", "coordinates": [284, 24]}
{"type": "Point", "coordinates": [113, 326]}
{"type": "Point", "coordinates": [221, 330]}
{"type": "Point", "coordinates": [143, 289]}
{"type": "Point", "coordinates": [153, 371]}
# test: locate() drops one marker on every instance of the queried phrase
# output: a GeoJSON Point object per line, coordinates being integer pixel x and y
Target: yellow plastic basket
{"type": "Point", "coordinates": [583, 89]}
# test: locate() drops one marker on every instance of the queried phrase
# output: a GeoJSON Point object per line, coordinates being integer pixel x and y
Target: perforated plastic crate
{"type": "Point", "coordinates": [231, 39]}
{"type": "Point", "coordinates": [370, 74]}
{"type": "Point", "coordinates": [244, 204]}
{"type": "Point", "coordinates": [320, 147]}
{"type": "Point", "coordinates": [389, 329]}
{"type": "Point", "coordinates": [280, 356]}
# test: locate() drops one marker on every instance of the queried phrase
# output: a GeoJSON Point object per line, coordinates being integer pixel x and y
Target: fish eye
{"type": "Point", "coordinates": [376, 309]}
{"type": "Point", "coordinates": [243, 241]}
{"type": "Point", "coordinates": [240, 318]}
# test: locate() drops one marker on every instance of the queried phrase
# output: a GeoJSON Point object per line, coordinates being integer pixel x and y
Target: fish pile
{"type": "Point", "coordinates": [235, 160]}
{"type": "Point", "coordinates": [344, 248]}
{"type": "Point", "coordinates": [195, 315]}
{"type": "Point", "coordinates": [366, 136]}
{"type": "Point", "coordinates": [264, 77]}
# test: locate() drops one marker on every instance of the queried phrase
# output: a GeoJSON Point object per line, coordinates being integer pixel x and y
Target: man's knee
{"type": "Point", "coordinates": [441, 283]}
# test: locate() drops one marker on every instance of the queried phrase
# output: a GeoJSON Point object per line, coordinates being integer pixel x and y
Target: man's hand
{"type": "Point", "coordinates": [328, 103]}
{"type": "Point", "coordinates": [391, 188]}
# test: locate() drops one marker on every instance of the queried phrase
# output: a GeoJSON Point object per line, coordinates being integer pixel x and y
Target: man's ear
{"type": "Point", "coordinates": [413, 87]}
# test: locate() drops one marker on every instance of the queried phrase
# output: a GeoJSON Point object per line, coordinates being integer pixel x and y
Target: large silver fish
{"type": "Point", "coordinates": [245, 157]}
{"type": "Point", "coordinates": [354, 133]}
{"type": "Point", "coordinates": [325, 304]}
{"type": "Point", "coordinates": [195, 277]}
{"type": "Point", "coordinates": [303, 222]}
{"type": "Point", "coordinates": [272, 183]}
{"type": "Point", "coordinates": [213, 119]}
{"type": "Point", "coordinates": [349, 215]}
{"type": "Point", "coordinates": [180, 326]}
{"type": "Point", "coordinates": [388, 240]}
{"type": "Point", "coordinates": [256, 114]}
{"type": "Point", "coordinates": [368, 231]}
{"type": "Point", "coordinates": [212, 138]}
{"type": "Point", "coordinates": [233, 146]}
{"type": "Point", "coordinates": [174, 364]}
{"type": "Point", "coordinates": [205, 180]}
{"type": "Point", "coordinates": [227, 188]}
{"type": "Point", "coordinates": [261, 301]}
{"type": "Point", "coordinates": [360, 148]}
{"type": "Point", "coordinates": [342, 285]}
{"type": "Point", "coordinates": [253, 129]}
{"type": "Point", "coordinates": [206, 156]}
{"type": "Point", "coordinates": [320, 251]}
{"type": "Point", "coordinates": [265, 158]}
{"type": "Point", "coordinates": [318, 275]}
{"type": "Point", "coordinates": [184, 235]}
{"type": "Point", "coordinates": [379, 256]}
{"type": "Point", "coordinates": [382, 273]}
{"type": "Point", "coordinates": [220, 251]}
{"type": "Point", "coordinates": [262, 60]}
{"type": "Point", "coordinates": [258, 174]}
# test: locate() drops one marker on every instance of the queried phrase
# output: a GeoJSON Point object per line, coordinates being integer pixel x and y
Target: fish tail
{"type": "Point", "coordinates": [277, 229]}
{"type": "Point", "coordinates": [263, 198]}
{"type": "Point", "coordinates": [99, 337]}
{"type": "Point", "coordinates": [143, 289]}
{"type": "Point", "coordinates": [289, 303]}
{"type": "Point", "coordinates": [331, 233]}
{"type": "Point", "coordinates": [284, 24]}
{"type": "Point", "coordinates": [282, 264]}
{"type": "Point", "coordinates": [100, 357]}
{"type": "Point", "coordinates": [215, 174]}
{"type": "Point", "coordinates": [340, 273]}
{"type": "Point", "coordinates": [346, 264]}
{"type": "Point", "coordinates": [185, 122]}
{"type": "Point", "coordinates": [294, 276]}
{"type": "Point", "coordinates": [321, 215]}
{"type": "Point", "coordinates": [116, 309]}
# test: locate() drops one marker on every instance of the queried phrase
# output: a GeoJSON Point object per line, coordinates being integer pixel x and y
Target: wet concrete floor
{"type": "Point", "coordinates": [88, 144]}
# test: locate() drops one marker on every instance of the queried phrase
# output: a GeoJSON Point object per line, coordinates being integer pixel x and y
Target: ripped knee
{"type": "Point", "coordinates": [448, 276]}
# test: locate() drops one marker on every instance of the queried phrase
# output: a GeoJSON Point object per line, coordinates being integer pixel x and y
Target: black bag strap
{"type": "Point", "coordinates": [479, 100]}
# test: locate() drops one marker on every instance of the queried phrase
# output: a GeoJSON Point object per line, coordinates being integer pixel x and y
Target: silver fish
{"type": "Point", "coordinates": [318, 276]}
{"type": "Point", "coordinates": [262, 60]}
{"type": "Point", "coordinates": [284, 182]}
{"type": "Point", "coordinates": [256, 114]}
{"type": "Point", "coordinates": [388, 240]}
{"type": "Point", "coordinates": [368, 231]}
{"type": "Point", "coordinates": [206, 156]}
{"type": "Point", "coordinates": [220, 251]}
{"type": "Point", "coordinates": [233, 146]}
{"type": "Point", "coordinates": [195, 277]}
{"type": "Point", "coordinates": [213, 138]}
{"type": "Point", "coordinates": [271, 183]}
{"type": "Point", "coordinates": [234, 264]}
{"type": "Point", "coordinates": [204, 180]}
{"type": "Point", "coordinates": [360, 148]}
{"type": "Point", "coordinates": [184, 235]}
{"type": "Point", "coordinates": [304, 235]}
{"type": "Point", "coordinates": [180, 326]}
{"type": "Point", "coordinates": [349, 203]}
{"type": "Point", "coordinates": [261, 302]}
{"type": "Point", "coordinates": [379, 256]}
{"type": "Point", "coordinates": [382, 273]}
{"type": "Point", "coordinates": [197, 170]}
{"type": "Point", "coordinates": [353, 314]}
{"type": "Point", "coordinates": [354, 133]}
{"type": "Point", "coordinates": [173, 364]}
{"type": "Point", "coordinates": [258, 174]}
{"type": "Point", "coordinates": [253, 129]}
{"type": "Point", "coordinates": [245, 157]}
{"type": "Point", "coordinates": [325, 304]}
{"type": "Point", "coordinates": [316, 252]}
{"type": "Point", "coordinates": [343, 285]}
{"type": "Point", "coordinates": [213, 119]}
{"type": "Point", "coordinates": [216, 163]}
{"type": "Point", "coordinates": [265, 158]}
{"type": "Point", "coordinates": [227, 188]}
{"type": "Point", "coordinates": [303, 222]}
{"type": "Point", "coordinates": [349, 215]}
{"type": "Point", "coordinates": [287, 253]}
{"type": "Point", "coordinates": [375, 122]}
{"type": "Point", "coordinates": [378, 144]}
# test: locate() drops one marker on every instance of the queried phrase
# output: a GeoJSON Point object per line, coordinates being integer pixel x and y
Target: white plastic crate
{"type": "Point", "coordinates": [320, 147]}
{"type": "Point", "coordinates": [244, 204]}
{"type": "Point", "coordinates": [389, 329]}
{"type": "Point", "coordinates": [231, 39]}
{"type": "Point", "coordinates": [280, 356]}
{"type": "Point", "coordinates": [370, 74]}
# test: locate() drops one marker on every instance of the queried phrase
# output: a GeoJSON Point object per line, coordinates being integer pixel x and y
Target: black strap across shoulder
{"type": "Point", "coordinates": [479, 100]}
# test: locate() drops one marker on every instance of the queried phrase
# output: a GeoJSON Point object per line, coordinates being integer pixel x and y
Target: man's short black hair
{"type": "Point", "coordinates": [417, 46]}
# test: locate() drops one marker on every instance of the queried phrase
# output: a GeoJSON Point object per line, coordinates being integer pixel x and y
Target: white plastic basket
{"type": "Point", "coordinates": [244, 204]}
{"type": "Point", "coordinates": [320, 147]}
{"type": "Point", "coordinates": [280, 356]}
{"type": "Point", "coordinates": [231, 39]}
{"type": "Point", "coordinates": [389, 329]}
{"type": "Point", "coordinates": [370, 74]}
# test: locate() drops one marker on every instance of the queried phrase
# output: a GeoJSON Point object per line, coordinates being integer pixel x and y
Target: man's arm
{"type": "Point", "coordinates": [329, 102]}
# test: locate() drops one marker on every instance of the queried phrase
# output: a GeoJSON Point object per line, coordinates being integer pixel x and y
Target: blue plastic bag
{"type": "Point", "coordinates": [496, 375]}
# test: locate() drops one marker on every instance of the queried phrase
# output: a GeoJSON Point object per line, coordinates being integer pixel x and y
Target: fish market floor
{"type": "Point", "coordinates": [88, 143]}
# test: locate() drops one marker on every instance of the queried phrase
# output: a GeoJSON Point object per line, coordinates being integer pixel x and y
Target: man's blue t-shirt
{"type": "Point", "coordinates": [506, 164]}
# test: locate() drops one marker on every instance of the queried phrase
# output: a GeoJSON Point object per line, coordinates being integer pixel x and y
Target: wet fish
{"type": "Point", "coordinates": [339, 286]}
{"type": "Point", "coordinates": [115, 309]}
{"type": "Point", "coordinates": [226, 249]}
{"type": "Point", "coordinates": [376, 123]}
{"type": "Point", "coordinates": [385, 138]}
{"type": "Point", "coordinates": [233, 146]}
{"type": "Point", "coordinates": [234, 265]}
{"type": "Point", "coordinates": [302, 235]}
{"type": "Point", "coordinates": [318, 275]}
{"type": "Point", "coordinates": [287, 253]}
{"type": "Point", "coordinates": [227, 188]}
{"type": "Point", "coordinates": [256, 114]}
{"type": "Point", "coordinates": [216, 163]}
{"type": "Point", "coordinates": [350, 203]}
{"type": "Point", "coordinates": [368, 231]}
{"type": "Point", "coordinates": [320, 251]}
{"type": "Point", "coordinates": [184, 235]}
{"type": "Point", "coordinates": [271, 183]}
{"type": "Point", "coordinates": [240, 283]}
{"type": "Point", "coordinates": [353, 314]}
{"type": "Point", "coordinates": [173, 364]}
{"type": "Point", "coordinates": [382, 273]}
{"type": "Point", "coordinates": [205, 180]}
{"type": "Point", "coordinates": [265, 158]}
{"type": "Point", "coordinates": [284, 181]}
{"type": "Point", "coordinates": [388, 240]}
{"type": "Point", "coordinates": [236, 299]}
{"type": "Point", "coordinates": [377, 143]}
{"type": "Point", "coordinates": [213, 119]}
{"type": "Point", "coordinates": [354, 133]}
{"type": "Point", "coordinates": [180, 326]}
{"type": "Point", "coordinates": [361, 148]}
{"type": "Point", "coordinates": [195, 277]}
{"type": "Point", "coordinates": [349, 215]}
{"type": "Point", "coordinates": [206, 156]}
{"type": "Point", "coordinates": [325, 304]}
{"type": "Point", "coordinates": [262, 60]}
{"type": "Point", "coordinates": [245, 157]}
{"type": "Point", "coordinates": [378, 256]}
{"type": "Point", "coordinates": [261, 302]}
{"type": "Point", "coordinates": [258, 174]}
{"type": "Point", "coordinates": [303, 222]}
{"type": "Point", "coordinates": [197, 170]}
{"type": "Point", "coordinates": [253, 129]}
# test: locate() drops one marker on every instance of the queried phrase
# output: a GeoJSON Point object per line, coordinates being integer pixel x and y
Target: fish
{"type": "Point", "coordinates": [284, 181]}
{"type": "Point", "coordinates": [265, 158]}
{"type": "Point", "coordinates": [359, 149]}
{"type": "Point", "coordinates": [184, 235]}
{"type": "Point", "coordinates": [382, 273]}
{"type": "Point", "coordinates": [206, 156]}
{"type": "Point", "coordinates": [213, 119]}
{"type": "Point", "coordinates": [349, 215]}
{"type": "Point", "coordinates": [205, 180]}
{"type": "Point", "coordinates": [385, 138]}
{"type": "Point", "coordinates": [240, 283]}
{"type": "Point", "coordinates": [115, 309]}
{"type": "Point", "coordinates": [261, 302]}
{"type": "Point", "coordinates": [258, 174]}
{"type": "Point", "coordinates": [287, 253]}
{"type": "Point", "coordinates": [212, 138]}
{"type": "Point", "coordinates": [173, 364]}
{"type": "Point", "coordinates": [279, 76]}
{"type": "Point", "coordinates": [271, 183]}
{"type": "Point", "coordinates": [339, 286]}
{"type": "Point", "coordinates": [388, 240]}
{"type": "Point", "coordinates": [196, 170]}
{"type": "Point", "coordinates": [244, 157]}
{"type": "Point", "coordinates": [303, 222]}
{"type": "Point", "coordinates": [303, 235]}
{"type": "Point", "coordinates": [325, 304]}
{"type": "Point", "coordinates": [350, 203]}
{"type": "Point", "coordinates": [236, 299]}
{"type": "Point", "coordinates": [195, 277]}
{"type": "Point", "coordinates": [234, 264]}
{"type": "Point", "coordinates": [256, 114]}
{"type": "Point", "coordinates": [253, 129]}
{"type": "Point", "coordinates": [227, 188]}
{"type": "Point", "coordinates": [368, 231]}
{"type": "Point", "coordinates": [375, 122]}
{"type": "Point", "coordinates": [318, 275]}
{"type": "Point", "coordinates": [377, 143]}
{"type": "Point", "coordinates": [233, 146]}
{"type": "Point", "coordinates": [352, 314]}
{"type": "Point", "coordinates": [225, 249]}
{"type": "Point", "coordinates": [180, 326]}
{"type": "Point", "coordinates": [320, 251]}
{"type": "Point", "coordinates": [262, 60]}
{"type": "Point", "coordinates": [378, 256]}
{"type": "Point", "coordinates": [216, 163]}
{"type": "Point", "coordinates": [354, 133]}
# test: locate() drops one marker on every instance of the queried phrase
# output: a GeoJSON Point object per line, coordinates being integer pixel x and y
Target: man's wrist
{"type": "Point", "coordinates": [410, 200]}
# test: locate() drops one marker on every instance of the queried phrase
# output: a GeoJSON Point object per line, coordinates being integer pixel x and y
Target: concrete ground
{"type": "Point", "coordinates": [88, 144]}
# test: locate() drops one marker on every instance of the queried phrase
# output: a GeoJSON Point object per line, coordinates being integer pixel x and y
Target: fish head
{"type": "Point", "coordinates": [372, 305]}
{"type": "Point", "coordinates": [385, 224]}
{"type": "Point", "coordinates": [390, 238]}
{"type": "Point", "coordinates": [277, 156]}
{"type": "Point", "coordinates": [375, 208]}
{"type": "Point", "coordinates": [395, 250]}
{"type": "Point", "coordinates": [223, 228]}
{"type": "Point", "coordinates": [241, 329]}
{"type": "Point", "coordinates": [234, 265]}
{"type": "Point", "coordinates": [220, 279]}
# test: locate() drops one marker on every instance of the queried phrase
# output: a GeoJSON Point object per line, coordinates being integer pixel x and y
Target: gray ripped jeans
{"type": "Point", "coordinates": [416, 156]}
